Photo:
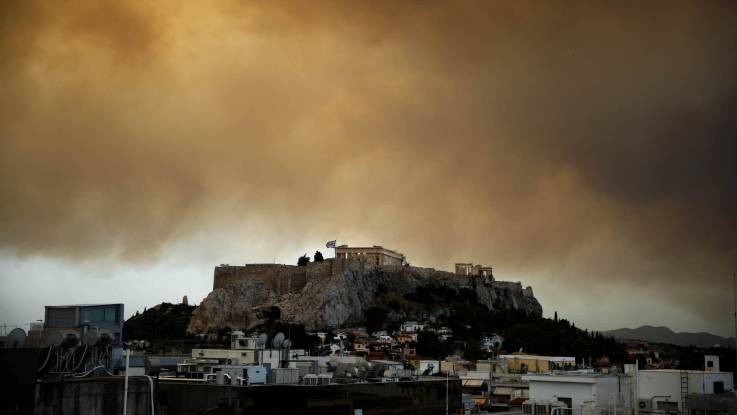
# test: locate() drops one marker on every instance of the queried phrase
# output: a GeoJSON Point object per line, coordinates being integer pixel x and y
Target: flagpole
{"type": "Point", "coordinates": [333, 244]}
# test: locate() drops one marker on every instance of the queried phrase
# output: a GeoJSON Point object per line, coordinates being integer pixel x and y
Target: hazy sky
{"type": "Point", "coordinates": [585, 148]}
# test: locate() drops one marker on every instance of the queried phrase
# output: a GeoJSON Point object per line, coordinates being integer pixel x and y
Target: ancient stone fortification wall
{"type": "Point", "coordinates": [282, 279]}
{"type": "Point", "coordinates": [337, 293]}
{"type": "Point", "coordinates": [279, 278]}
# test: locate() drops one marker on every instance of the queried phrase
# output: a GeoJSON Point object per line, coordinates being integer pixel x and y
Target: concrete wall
{"type": "Point", "coordinates": [720, 404]}
{"type": "Point", "coordinates": [724, 377]}
{"type": "Point", "coordinates": [101, 396]}
{"type": "Point", "coordinates": [238, 356]}
{"type": "Point", "coordinates": [530, 364]}
{"type": "Point", "coordinates": [583, 391]}
{"type": "Point", "coordinates": [93, 396]}
{"type": "Point", "coordinates": [551, 391]}
{"type": "Point", "coordinates": [18, 382]}
{"type": "Point", "coordinates": [668, 383]}
{"type": "Point", "coordinates": [409, 398]}
{"type": "Point", "coordinates": [605, 386]}
{"type": "Point", "coordinates": [422, 365]}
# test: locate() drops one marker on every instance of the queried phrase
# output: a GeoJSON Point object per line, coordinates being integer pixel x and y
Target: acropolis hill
{"type": "Point", "coordinates": [337, 292]}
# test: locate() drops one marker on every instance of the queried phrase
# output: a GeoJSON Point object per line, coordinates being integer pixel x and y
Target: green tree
{"type": "Point", "coordinates": [429, 345]}
{"type": "Point", "coordinates": [376, 318]}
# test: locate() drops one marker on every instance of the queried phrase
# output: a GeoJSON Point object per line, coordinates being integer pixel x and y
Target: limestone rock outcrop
{"type": "Point", "coordinates": [337, 293]}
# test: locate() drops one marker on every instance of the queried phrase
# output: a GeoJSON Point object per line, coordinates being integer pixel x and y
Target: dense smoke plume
{"type": "Point", "coordinates": [589, 142]}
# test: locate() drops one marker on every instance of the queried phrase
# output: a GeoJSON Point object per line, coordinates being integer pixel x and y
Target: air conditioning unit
{"type": "Point", "coordinates": [644, 405]}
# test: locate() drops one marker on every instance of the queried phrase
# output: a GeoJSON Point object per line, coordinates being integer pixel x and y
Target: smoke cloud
{"type": "Point", "coordinates": [593, 144]}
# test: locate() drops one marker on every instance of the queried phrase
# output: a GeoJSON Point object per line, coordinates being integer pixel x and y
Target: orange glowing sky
{"type": "Point", "coordinates": [584, 148]}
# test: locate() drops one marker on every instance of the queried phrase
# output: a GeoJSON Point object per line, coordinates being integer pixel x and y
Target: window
{"type": "Point", "coordinates": [111, 314]}
{"type": "Point", "coordinates": [567, 401]}
{"type": "Point", "coordinates": [98, 315]}
{"type": "Point", "coordinates": [710, 363]}
{"type": "Point", "coordinates": [61, 317]}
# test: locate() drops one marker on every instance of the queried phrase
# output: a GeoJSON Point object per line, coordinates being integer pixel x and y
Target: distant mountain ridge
{"type": "Point", "coordinates": [662, 334]}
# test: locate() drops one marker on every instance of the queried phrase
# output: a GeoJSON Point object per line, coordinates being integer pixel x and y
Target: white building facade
{"type": "Point", "coordinates": [583, 394]}
{"type": "Point", "coordinates": [642, 392]}
{"type": "Point", "coordinates": [665, 389]}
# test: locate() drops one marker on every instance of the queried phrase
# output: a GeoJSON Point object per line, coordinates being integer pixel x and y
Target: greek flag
{"type": "Point", "coordinates": [330, 244]}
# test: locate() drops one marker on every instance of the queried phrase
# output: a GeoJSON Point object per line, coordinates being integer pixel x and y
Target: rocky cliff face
{"type": "Point", "coordinates": [342, 296]}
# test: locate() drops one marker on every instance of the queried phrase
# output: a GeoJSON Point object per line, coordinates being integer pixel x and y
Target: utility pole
{"type": "Point", "coordinates": [447, 382]}
{"type": "Point", "coordinates": [125, 388]}
{"type": "Point", "coordinates": [637, 386]}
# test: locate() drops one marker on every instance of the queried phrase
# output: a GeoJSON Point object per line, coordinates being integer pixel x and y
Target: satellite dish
{"type": "Point", "coordinates": [287, 344]}
{"type": "Point", "coordinates": [261, 340]}
{"type": "Point", "coordinates": [334, 348]}
{"type": "Point", "coordinates": [105, 338]}
{"type": "Point", "coordinates": [16, 339]}
{"type": "Point", "coordinates": [54, 339]}
{"type": "Point", "coordinates": [71, 340]}
{"type": "Point", "coordinates": [278, 339]}
{"type": "Point", "coordinates": [90, 338]}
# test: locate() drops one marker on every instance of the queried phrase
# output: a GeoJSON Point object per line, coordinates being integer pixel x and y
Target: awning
{"type": "Point", "coordinates": [518, 401]}
{"type": "Point", "coordinates": [474, 383]}
{"type": "Point", "coordinates": [502, 391]}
